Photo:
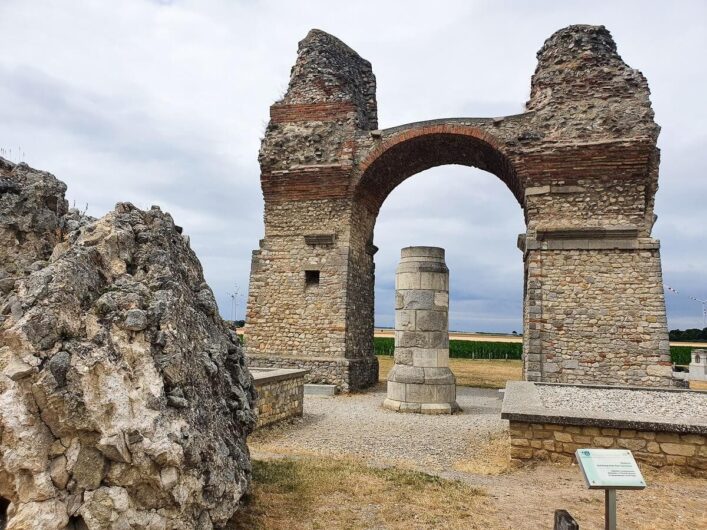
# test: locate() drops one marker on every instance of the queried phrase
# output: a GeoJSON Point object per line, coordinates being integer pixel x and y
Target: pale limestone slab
{"type": "Point", "coordinates": [437, 408]}
{"type": "Point", "coordinates": [441, 299]}
{"type": "Point", "coordinates": [426, 320]}
{"type": "Point", "coordinates": [396, 390]}
{"type": "Point", "coordinates": [407, 374]}
{"type": "Point", "coordinates": [425, 357]}
{"type": "Point", "coordinates": [417, 299]}
{"type": "Point", "coordinates": [405, 319]}
{"type": "Point", "coordinates": [407, 280]}
{"type": "Point", "coordinates": [434, 280]}
{"type": "Point", "coordinates": [421, 393]}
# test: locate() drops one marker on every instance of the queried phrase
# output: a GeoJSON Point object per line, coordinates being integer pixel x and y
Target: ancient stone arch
{"type": "Point", "coordinates": [581, 161]}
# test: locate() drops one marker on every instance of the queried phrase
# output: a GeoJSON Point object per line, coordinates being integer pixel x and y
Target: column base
{"type": "Point", "coordinates": [421, 408]}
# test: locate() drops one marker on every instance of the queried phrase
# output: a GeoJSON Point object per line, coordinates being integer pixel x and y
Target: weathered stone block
{"type": "Point", "coordinates": [420, 393]}
{"type": "Point", "coordinates": [603, 441]}
{"type": "Point", "coordinates": [441, 300]}
{"type": "Point", "coordinates": [678, 449]}
{"type": "Point", "coordinates": [426, 320]}
{"type": "Point", "coordinates": [521, 452]}
{"type": "Point", "coordinates": [403, 356]}
{"type": "Point", "coordinates": [407, 374]}
{"type": "Point", "coordinates": [563, 436]}
{"type": "Point", "coordinates": [396, 391]}
{"type": "Point", "coordinates": [405, 320]}
{"type": "Point", "coordinates": [430, 357]}
{"type": "Point", "coordinates": [653, 447]}
{"type": "Point", "coordinates": [391, 404]}
{"type": "Point", "coordinates": [409, 407]}
{"type": "Point", "coordinates": [696, 439]}
{"type": "Point", "coordinates": [668, 437]}
{"type": "Point", "coordinates": [548, 445]}
{"type": "Point", "coordinates": [439, 376]}
{"type": "Point", "coordinates": [416, 299]}
{"type": "Point", "coordinates": [634, 444]}
{"type": "Point", "coordinates": [436, 408]}
{"type": "Point", "coordinates": [434, 280]}
{"type": "Point", "coordinates": [407, 280]}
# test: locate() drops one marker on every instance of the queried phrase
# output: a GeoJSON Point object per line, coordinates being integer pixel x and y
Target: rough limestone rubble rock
{"type": "Point", "coordinates": [125, 401]}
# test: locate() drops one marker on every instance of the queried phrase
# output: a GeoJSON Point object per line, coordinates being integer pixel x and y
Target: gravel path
{"type": "Point", "coordinates": [675, 405]}
{"type": "Point", "coordinates": [357, 425]}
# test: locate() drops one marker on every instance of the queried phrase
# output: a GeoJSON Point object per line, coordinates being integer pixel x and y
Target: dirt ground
{"type": "Point", "coordinates": [512, 499]}
{"type": "Point", "coordinates": [468, 452]}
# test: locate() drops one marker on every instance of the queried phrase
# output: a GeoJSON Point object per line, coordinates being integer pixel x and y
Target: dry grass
{"type": "Point", "coordinates": [698, 385]}
{"type": "Point", "coordinates": [331, 493]}
{"type": "Point", "coordinates": [471, 372]}
{"type": "Point", "coordinates": [491, 458]}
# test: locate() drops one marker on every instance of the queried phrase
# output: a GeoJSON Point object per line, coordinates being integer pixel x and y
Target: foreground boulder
{"type": "Point", "coordinates": [124, 400]}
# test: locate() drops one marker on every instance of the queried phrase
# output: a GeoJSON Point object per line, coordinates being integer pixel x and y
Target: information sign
{"type": "Point", "coordinates": [610, 468]}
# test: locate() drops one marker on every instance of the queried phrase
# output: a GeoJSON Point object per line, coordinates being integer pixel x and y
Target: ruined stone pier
{"type": "Point", "coordinates": [421, 380]}
{"type": "Point", "coordinates": [581, 162]}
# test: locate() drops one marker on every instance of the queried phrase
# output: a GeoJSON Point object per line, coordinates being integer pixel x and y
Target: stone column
{"type": "Point", "coordinates": [421, 380]}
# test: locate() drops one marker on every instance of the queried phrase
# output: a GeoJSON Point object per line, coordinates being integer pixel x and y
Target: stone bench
{"type": "Point", "coordinates": [280, 393]}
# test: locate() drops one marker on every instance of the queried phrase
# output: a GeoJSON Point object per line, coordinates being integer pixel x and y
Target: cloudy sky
{"type": "Point", "coordinates": [165, 102]}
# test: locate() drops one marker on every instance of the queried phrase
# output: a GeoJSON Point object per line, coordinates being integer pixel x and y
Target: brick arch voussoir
{"type": "Point", "coordinates": [401, 137]}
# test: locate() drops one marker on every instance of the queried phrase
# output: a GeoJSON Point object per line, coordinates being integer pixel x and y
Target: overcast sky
{"type": "Point", "coordinates": [165, 102]}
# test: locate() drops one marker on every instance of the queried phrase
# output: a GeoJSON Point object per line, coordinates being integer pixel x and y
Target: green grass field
{"type": "Point", "coordinates": [464, 349]}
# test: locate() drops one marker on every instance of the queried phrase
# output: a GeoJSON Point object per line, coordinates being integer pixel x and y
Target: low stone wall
{"type": "Point", "coordinates": [280, 394]}
{"type": "Point", "coordinates": [557, 443]}
{"type": "Point", "coordinates": [347, 374]}
{"type": "Point", "coordinates": [660, 427]}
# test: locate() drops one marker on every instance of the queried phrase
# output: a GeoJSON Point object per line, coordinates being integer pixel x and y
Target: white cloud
{"type": "Point", "coordinates": [165, 102]}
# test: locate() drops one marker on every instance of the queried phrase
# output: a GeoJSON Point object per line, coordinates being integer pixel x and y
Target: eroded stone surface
{"type": "Point", "coordinates": [124, 401]}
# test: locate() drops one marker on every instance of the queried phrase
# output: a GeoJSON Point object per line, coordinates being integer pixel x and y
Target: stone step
{"type": "Point", "coordinates": [319, 390]}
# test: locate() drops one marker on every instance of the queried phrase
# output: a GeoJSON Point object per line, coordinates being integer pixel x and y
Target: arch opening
{"type": "Point", "coordinates": [467, 212]}
{"type": "Point", "coordinates": [407, 153]}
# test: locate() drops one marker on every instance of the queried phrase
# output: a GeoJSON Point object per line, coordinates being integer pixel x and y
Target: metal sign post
{"type": "Point", "coordinates": [610, 470]}
{"type": "Point", "coordinates": [610, 509]}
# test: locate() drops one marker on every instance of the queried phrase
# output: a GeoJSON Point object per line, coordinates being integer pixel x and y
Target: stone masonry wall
{"type": "Point", "coordinates": [347, 374]}
{"type": "Point", "coordinates": [306, 160]}
{"type": "Point", "coordinates": [285, 314]}
{"type": "Point", "coordinates": [278, 398]}
{"type": "Point", "coordinates": [558, 443]}
{"type": "Point", "coordinates": [602, 317]}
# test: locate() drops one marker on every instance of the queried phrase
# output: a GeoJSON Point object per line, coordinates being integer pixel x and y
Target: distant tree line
{"type": "Point", "coordinates": [688, 335]}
